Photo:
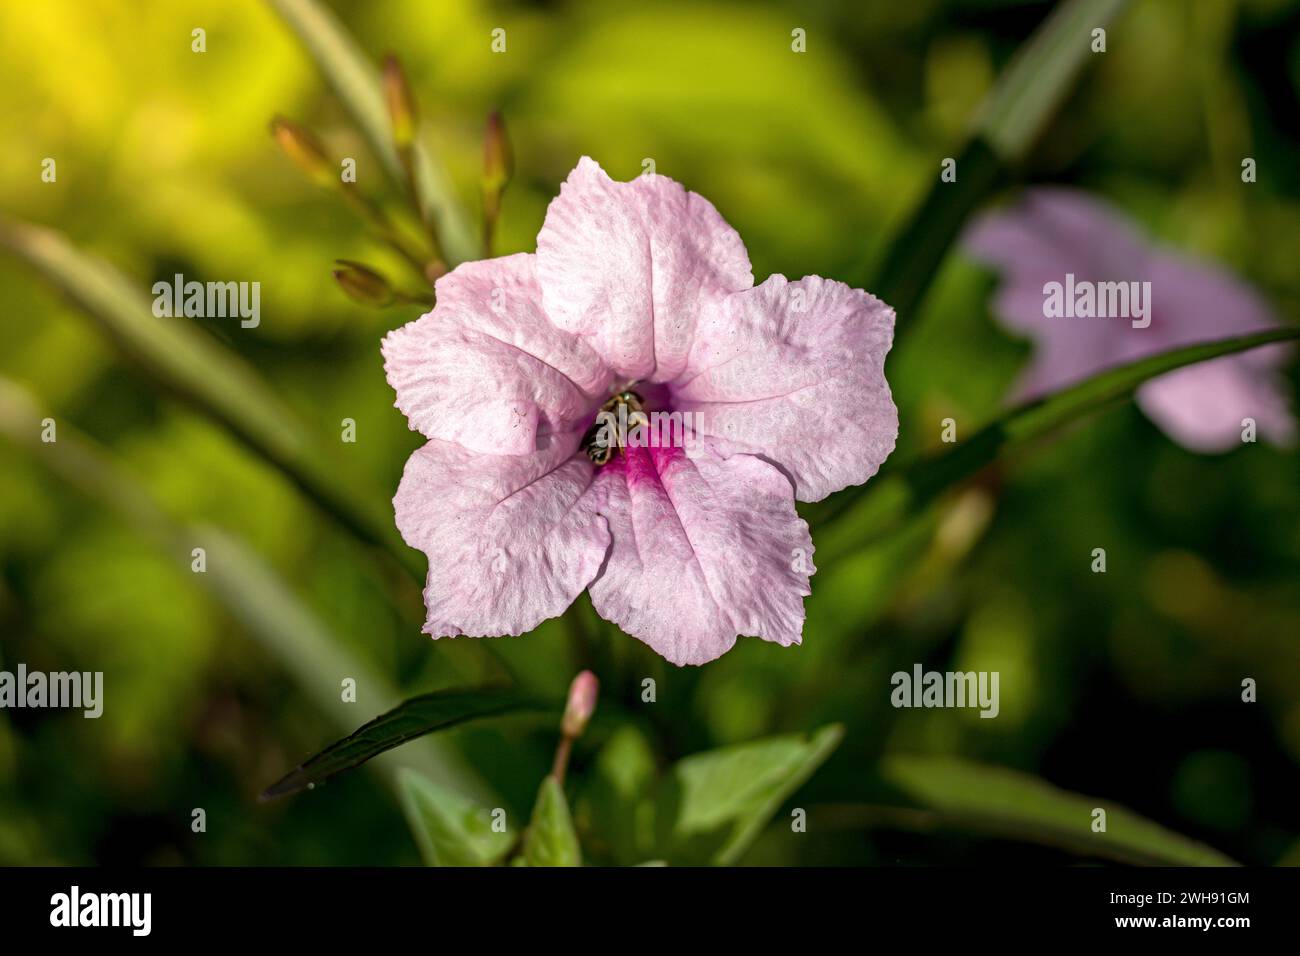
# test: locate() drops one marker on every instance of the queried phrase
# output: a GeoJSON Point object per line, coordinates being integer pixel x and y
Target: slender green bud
{"type": "Point", "coordinates": [363, 284]}
{"type": "Point", "coordinates": [401, 103]}
{"type": "Point", "coordinates": [498, 168]}
{"type": "Point", "coordinates": [305, 150]}
{"type": "Point", "coordinates": [498, 158]}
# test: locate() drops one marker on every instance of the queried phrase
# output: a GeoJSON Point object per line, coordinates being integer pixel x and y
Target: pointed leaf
{"type": "Point", "coordinates": [895, 494]}
{"type": "Point", "coordinates": [409, 720]}
{"type": "Point", "coordinates": [551, 840]}
{"type": "Point", "coordinates": [1040, 75]}
{"type": "Point", "coordinates": [451, 830]}
{"type": "Point", "coordinates": [1021, 806]}
{"type": "Point", "coordinates": [717, 803]}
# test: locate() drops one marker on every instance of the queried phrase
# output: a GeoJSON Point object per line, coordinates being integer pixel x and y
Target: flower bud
{"type": "Point", "coordinates": [581, 704]}
{"type": "Point", "coordinates": [304, 149]}
{"type": "Point", "coordinates": [363, 284]}
{"type": "Point", "coordinates": [498, 158]}
{"type": "Point", "coordinates": [400, 101]}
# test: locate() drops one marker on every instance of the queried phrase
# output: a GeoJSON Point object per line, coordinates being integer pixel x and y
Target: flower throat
{"type": "Point", "coordinates": [610, 431]}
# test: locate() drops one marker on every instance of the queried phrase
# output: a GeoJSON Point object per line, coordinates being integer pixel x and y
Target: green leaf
{"type": "Point", "coordinates": [1016, 111]}
{"type": "Point", "coordinates": [193, 366]}
{"type": "Point", "coordinates": [356, 82]}
{"type": "Point", "coordinates": [551, 840]}
{"type": "Point", "coordinates": [409, 720]}
{"type": "Point", "coordinates": [716, 803]}
{"type": "Point", "coordinates": [895, 494]}
{"type": "Point", "coordinates": [451, 830]}
{"type": "Point", "coordinates": [1040, 75]}
{"type": "Point", "coordinates": [1020, 806]}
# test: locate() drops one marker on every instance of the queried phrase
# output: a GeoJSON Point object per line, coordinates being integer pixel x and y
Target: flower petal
{"type": "Point", "coordinates": [1066, 350]}
{"type": "Point", "coordinates": [704, 549]}
{"type": "Point", "coordinates": [794, 372]}
{"type": "Point", "coordinates": [629, 265]}
{"type": "Point", "coordinates": [511, 539]}
{"type": "Point", "coordinates": [1052, 231]}
{"type": "Point", "coordinates": [1202, 406]}
{"type": "Point", "coordinates": [1049, 233]}
{"type": "Point", "coordinates": [486, 369]}
{"type": "Point", "coordinates": [1194, 300]}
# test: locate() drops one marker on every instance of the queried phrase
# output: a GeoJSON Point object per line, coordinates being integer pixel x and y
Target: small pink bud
{"type": "Point", "coordinates": [581, 705]}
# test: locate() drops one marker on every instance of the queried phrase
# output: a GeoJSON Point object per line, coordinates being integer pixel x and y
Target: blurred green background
{"type": "Point", "coordinates": [1123, 686]}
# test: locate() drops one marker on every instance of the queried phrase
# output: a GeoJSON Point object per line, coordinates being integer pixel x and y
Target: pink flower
{"type": "Point", "coordinates": [636, 287]}
{"type": "Point", "coordinates": [1067, 237]}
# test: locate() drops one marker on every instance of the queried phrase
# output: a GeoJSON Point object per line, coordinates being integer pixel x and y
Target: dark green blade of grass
{"type": "Point", "coordinates": [405, 722]}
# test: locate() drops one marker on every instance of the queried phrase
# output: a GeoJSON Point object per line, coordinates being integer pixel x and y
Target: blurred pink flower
{"type": "Point", "coordinates": [1054, 233]}
{"type": "Point", "coordinates": [641, 286]}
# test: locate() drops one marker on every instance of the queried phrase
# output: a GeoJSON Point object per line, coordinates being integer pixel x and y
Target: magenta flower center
{"type": "Point", "coordinates": [618, 424]}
